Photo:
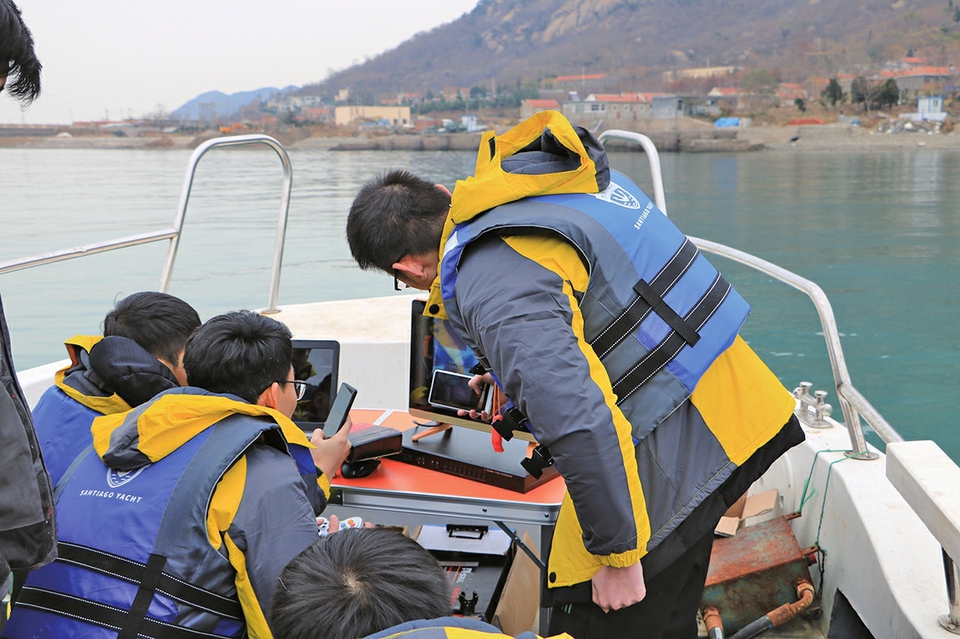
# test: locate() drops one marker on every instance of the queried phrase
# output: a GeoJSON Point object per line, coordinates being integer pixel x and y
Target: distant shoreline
{"type": "Point", "coordinates": [827, 137]}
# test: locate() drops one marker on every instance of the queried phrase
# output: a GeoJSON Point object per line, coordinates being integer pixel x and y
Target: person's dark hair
{"type": "Point", "coordinates": [357, 582]}
{"type": "Point", "coordinates": [393, 215]}
{"type": "Point", "coordinates": [240, 353]}
{"type": "Point", "coordinates": [158, 322]}
{"type": "Point", "coordinates": [18, 62]}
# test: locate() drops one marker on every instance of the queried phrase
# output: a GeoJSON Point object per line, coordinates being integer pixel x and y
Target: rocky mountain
{"type": "Point", "coordinates": [217, 104]}
{"type": "Point", "coordinates": [508, 42]}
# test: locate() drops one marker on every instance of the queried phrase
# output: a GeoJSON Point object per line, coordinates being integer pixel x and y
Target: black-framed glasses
{"type": "Point", "coordinates": [299, 386]}
{"type": "Point", "coordinates": [397, 283]}
{"type": "Point", "coordinates": [396, 280]}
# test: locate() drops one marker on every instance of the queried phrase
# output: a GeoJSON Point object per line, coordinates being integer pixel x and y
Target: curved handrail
{"type": "Point", "coordinates": [281, 224]}
{"type": "Point", "coordinates": [852, 402]}
{"type": "Point", "coordinates": [173, 234]}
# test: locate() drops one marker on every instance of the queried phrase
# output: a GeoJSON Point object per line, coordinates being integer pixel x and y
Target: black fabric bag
{"type": "Point", "coordinates": [28, 527]}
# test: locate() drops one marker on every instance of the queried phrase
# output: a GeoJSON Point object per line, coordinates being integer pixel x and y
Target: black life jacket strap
{"type": "Point", "coordinates": [148, 586]}
{"type": "Point", "coordinates": [131, 571]}
{"type": "Point", "coordinates": [660, 355]}
{"type": "Point", "coordinates": [650, 297]}
{"type": "Point", "coordinates": [103, 615]}
{"type": "Point", "coordinates": [667, 314]}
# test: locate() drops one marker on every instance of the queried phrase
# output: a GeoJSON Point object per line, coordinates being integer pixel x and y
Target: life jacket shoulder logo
{"type": "Point", "coordinates": [616, 194]}
{"type": "Point", "coordinates": [117, 478]}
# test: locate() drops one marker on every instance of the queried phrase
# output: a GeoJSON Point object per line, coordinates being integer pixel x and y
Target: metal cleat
{"type": "Point", "coordinates": [813, 410]}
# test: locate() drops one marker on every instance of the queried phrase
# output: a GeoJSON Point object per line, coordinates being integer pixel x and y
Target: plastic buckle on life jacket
{"type": "Point", "coordinates": [539, 459]}
{"type": "Point", "coordinates": [512, 419]}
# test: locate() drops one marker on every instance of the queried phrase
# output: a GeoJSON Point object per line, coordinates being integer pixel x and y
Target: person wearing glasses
{"type": "Point", "coordinates": [618, 344]}
{"type": "Point", "coordinates": [181, 518]}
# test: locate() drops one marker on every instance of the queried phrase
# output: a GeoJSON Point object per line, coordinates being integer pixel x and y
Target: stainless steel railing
{"type": "Point", "coordinates": [173, 233]}
{"type": "Point", "coordinates": [852, 403]}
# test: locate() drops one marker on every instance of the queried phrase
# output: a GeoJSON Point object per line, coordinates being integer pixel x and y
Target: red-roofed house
{"type": "Point", "coordinates": [724, 92]}
{"type": "Point", "coordinates": [314, 114]}
{"type": "Point", "coordinates": [789, 93]}
{"type": "Point", "coordinates": [720, 98]}
{"type": "Point", "coordinates": [610, 107]}
{"type": "Point", "coordinates": [529, 107]}
{"type": "Point", "coordinates": [917, 78]}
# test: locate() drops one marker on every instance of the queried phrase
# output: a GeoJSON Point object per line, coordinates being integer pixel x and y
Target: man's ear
{"type": "Point", "coordinates": [412, 265]}
{"type": "Point", "coordinates": [269, 398]}
{"type": "Point", "coordinates": [443, 188]}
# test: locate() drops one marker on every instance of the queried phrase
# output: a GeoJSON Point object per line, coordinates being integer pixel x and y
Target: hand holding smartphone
{"type": "Point", "coordinates": [330, 452]}
{"type": "Point", "coordinates": [453, 391]}
{"type": "Point", "coordinates": [341, 407]}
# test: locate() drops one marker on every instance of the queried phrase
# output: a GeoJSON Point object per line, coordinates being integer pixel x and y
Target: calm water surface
{"type": "Point", "coordinates": [878, 231]}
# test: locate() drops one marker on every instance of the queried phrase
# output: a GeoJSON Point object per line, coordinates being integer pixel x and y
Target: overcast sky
{"type": "Point", "coordinates": [126, 57]}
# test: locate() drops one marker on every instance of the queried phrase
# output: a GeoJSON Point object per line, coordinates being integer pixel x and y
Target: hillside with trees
{"type": "Point", "coordinates": [524, 44]}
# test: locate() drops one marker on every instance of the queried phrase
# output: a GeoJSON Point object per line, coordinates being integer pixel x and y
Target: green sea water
{"type": "Point", "coordinates": [879, 231]}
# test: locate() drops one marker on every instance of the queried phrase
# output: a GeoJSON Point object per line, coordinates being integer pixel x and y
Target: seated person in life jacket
{"type": "Point", "coordinates": [181, 518]}
{"type": "Point", "coordinates": [373, 583]}
{"type": "Point", "coordinates": [139, 355]}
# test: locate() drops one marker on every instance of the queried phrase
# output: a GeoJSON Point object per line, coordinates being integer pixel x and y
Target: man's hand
{"type": "Point", "coordinates": [616, 588]}
{"type": "Point", "coordinates": [477, 383]}
{"type": "Point", "coordinates": [330, 453]}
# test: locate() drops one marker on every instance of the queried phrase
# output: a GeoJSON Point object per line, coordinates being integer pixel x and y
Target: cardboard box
{"type": "Point", "coordinates": [518, 609]}
{"type": "Point", "coordinates": [748, 510]}
{"type": "Point", "coordinates": [507, 581]}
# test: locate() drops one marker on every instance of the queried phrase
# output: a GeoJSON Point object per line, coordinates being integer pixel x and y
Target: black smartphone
{"type": "Point", "coordinates": [452, 390]}
{"type": "Point", "coordinates": [340, 408]}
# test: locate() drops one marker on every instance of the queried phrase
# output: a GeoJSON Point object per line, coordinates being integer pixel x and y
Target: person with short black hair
{"type": "Point", "coordinates": [235, 355]}
{"type": "Point", "coordinates": [183, 515]}
{"type": "Point", "coordinates": [158, 322]}
{"type": "Point", "coordinates": [139, 355]}
{"type": "Point", "coordinates": [618, 344]}
{"type": "Point", "coordinates": [17, 58]}
{"type": "Point", "coordinates": [368, 582]}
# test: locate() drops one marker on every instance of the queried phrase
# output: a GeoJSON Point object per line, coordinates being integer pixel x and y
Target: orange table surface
{"type": "Point", "coordinates": [398, 477]}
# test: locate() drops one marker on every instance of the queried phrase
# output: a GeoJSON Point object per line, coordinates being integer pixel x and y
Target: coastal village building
{"type": "Point", "coordinates": [612, 108]}
{"type": "Point", "coordinates": [789, 93]}
{"type": "Point", "coordinates": [919, 78]}
{"type": "Point", "coordinates": [669, 107]}
{"type": "Point", "coordinates": [401, 98]}
{"type": "Point", "coordinates": [314, 114]}
{"type": "Point", "coordinates": [529, 107]}
{"type": "Point", "coordinates": [698, 73]}
{"type": "Point", "coordinates": [909, 77]}
{"type": "Point", "coordinates": [470, 124]}
{"type": "Point", "coordinates": [724, 98]}
{"type": "Point", "coordinates": [452, 93]}
{"type": "Point", "coordinates": [581, 78]}
{"type": "Point", "coordinates": [395, 115]}
{"type": "Point", "coordinates": [928, 108]}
